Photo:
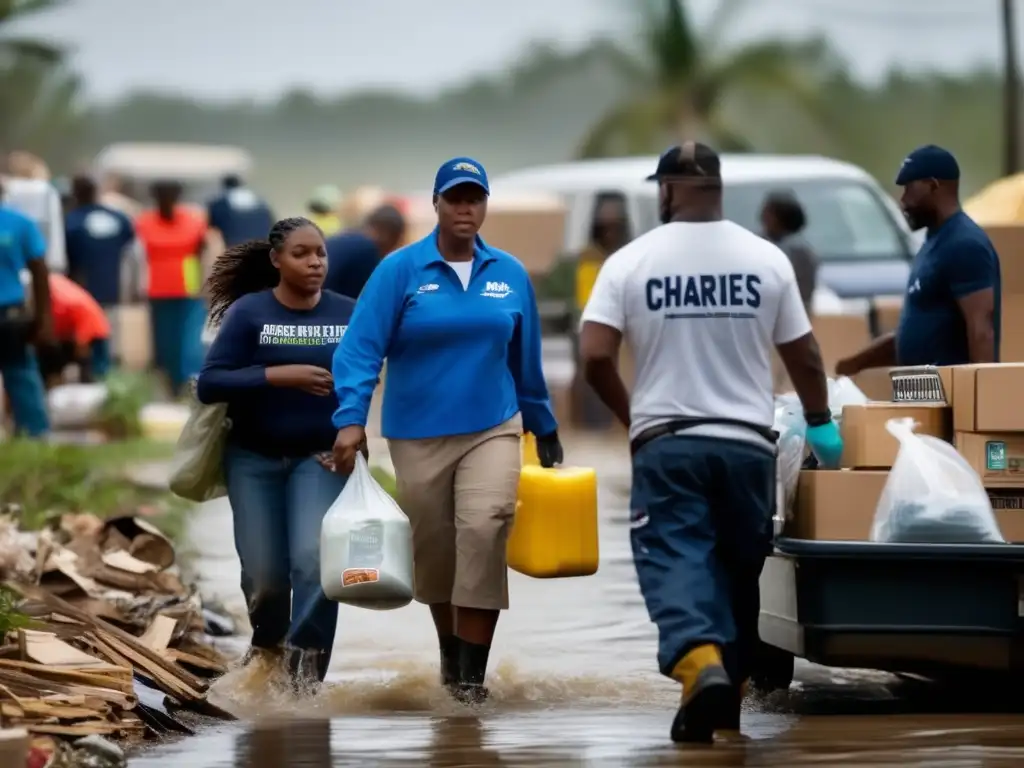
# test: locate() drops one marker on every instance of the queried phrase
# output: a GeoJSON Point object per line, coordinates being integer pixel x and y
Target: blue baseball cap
{"type": "Point", "coordinates": [460, 170]}
{"type": "Point", "coordinates": [928, 162]}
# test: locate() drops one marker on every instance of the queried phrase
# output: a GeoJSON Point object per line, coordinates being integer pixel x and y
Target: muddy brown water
{"type": "Point", "coordinates": [574, 683]}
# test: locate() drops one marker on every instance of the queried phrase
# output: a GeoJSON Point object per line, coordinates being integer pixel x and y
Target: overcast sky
{"type": "Point", "coordinates": [257, 48]}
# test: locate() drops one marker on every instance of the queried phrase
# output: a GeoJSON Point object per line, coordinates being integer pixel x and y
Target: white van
{"type": "Point", "coordinates": [856, 228]}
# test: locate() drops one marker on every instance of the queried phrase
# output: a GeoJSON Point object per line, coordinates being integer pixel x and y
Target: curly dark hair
{"type": "Point", "coordinates": [246, 268]}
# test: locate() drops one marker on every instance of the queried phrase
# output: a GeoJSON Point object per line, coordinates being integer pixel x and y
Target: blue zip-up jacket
{"type": "Point", "coordinates": [460, 360]}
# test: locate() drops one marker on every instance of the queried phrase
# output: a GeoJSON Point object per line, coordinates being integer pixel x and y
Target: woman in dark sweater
{"type": "Point", "coordinates": [271, 364]}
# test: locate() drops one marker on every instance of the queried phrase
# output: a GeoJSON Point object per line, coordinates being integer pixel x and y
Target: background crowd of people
{"type": "Point", "coordinates": [80, 251]}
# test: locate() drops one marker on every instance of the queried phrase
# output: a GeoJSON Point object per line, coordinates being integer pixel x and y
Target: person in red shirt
{"type": "Point", "coordinates": [81, 333]}
{"type": "Point", "coordinates": [174, 237]}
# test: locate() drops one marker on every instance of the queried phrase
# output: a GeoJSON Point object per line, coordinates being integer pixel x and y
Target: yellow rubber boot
{"type": "Point", "coordinates": [708, 695]}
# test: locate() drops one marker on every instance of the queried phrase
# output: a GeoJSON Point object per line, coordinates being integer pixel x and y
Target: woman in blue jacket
{"type": "Point", "coordinates": [270, 362]}
{"type": "Point", "coordinates": [457, 321]}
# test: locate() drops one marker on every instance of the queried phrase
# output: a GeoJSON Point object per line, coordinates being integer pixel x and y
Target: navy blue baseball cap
{"type": "Point", "coordinates": [928, 162]}
{"type": "Point", "coordinates": [691, 159]}
{"type": "Point", "coordinates": [460, 170]}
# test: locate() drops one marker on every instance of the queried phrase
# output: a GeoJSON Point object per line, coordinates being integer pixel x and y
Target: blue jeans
{"type": "Point", "coordinates": [701, 529]}
{"type": "Point", "coordinates": [278, 505]}
{"type": "Point", "coordinates": [24, 386]}
{"type": "Point", "coordinates": [177, 326]}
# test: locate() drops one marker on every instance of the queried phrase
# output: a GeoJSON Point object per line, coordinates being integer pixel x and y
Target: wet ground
{"type": "Point", "coordinates": [573, 684]}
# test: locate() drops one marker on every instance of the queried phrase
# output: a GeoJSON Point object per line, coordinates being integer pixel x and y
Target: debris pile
{"type": "Point", "coordinates": [106, 641]}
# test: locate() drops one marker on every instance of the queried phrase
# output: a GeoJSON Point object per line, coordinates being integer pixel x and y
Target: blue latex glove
{"type": "Point", "coordinates": [826, 443]}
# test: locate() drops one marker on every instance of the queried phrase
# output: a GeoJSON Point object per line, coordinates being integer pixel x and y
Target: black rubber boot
{"type": "Point", "coordinates": [707, 708]}
{"type": "Point", "coordinates": [307, 668]}
{"type": "Point", "coordinates": [450, 661]}
{"type": "Point", "coordinates": [472, 671]}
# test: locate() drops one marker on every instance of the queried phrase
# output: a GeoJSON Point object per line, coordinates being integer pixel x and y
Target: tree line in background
{"type": "Point", "coordinates": [602, 100]}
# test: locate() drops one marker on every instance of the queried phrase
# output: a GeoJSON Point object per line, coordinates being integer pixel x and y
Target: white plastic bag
{"type": "Point", "coordinates": [366, 546]}
{"type": "Point", "coordinates": [932, 496]}
{"type": "Point", "coordinates": [76, 406]}
{"type": "Point", "coordinates": [790, 425]}
{"type": "Point", "coordinates": [843, 392]}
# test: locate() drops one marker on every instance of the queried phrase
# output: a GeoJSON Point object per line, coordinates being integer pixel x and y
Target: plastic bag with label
{"type": "Point", "coordinates": [932, 495]}
{"type": "Point", "coordinates": [366, 546]}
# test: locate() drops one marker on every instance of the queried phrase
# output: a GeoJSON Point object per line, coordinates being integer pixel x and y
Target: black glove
{"type": "Point", "coordinates": [549, 450]}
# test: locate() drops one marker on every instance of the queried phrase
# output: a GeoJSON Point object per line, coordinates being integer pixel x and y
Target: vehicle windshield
{"type": "Point", "coordinates": [845, 219]}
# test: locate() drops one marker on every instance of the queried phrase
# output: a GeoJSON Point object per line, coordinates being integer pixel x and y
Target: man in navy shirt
{"type": "Point", "coordinates": [354, 254]}
{"type": "Point", "coordinates": [238, 213]}
{"type": "Point", "coordinates": [951, 311]}
{"type": "Point", "coordinates": [98, 238]}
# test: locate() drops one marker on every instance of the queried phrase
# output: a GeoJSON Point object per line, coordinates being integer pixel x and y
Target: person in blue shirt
{"type": "Point", "coordinates": [355, 253]}
{"type": "Point", "coordinates": [22, 247]}
{"type": "Point", "coordinates": [457, 321]}
{"type": "Point", "coordinates": [270, 363]}
{"type": "Point", "coordinates": [952, 309]}
{"type": "Point", "coordinates": [98, 238]}
{"type": "Point", "coordinates": [238, 213]}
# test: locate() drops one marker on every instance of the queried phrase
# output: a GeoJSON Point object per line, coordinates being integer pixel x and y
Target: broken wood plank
{"type": "Point", "coordinates": [197, 662]}
{"type": "Point", "coordinates": [114, 677]}
{"type": "Point", "coordinates": [168, 681]}
{"type": "Point", "coordinates": [158, 636]}
{"type": "Point", "coordinates": [106, 651]}
{"type": "Point", "coordinates": [108, 631]}
{"type": "Point", "coordinates": [45, 648]}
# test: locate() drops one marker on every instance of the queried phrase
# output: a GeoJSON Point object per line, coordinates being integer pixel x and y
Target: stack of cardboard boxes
{"type": "Point", "coordinates": [981, 417]}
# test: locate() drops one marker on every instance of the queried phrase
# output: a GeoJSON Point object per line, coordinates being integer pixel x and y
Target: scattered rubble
{"type": "Point", "coordinates": [105, 645]}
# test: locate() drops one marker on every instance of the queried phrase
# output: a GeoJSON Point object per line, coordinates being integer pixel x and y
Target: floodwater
{"type": "Point", "coordinates": [573, 682]}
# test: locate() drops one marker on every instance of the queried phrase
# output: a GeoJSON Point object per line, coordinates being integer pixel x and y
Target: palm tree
{"type": "Point", "coordinates": [683, 78]}
{"type": "Point", "coordinates": [15, 47]}
{"type": "Point", "coordinates": [39, 97]}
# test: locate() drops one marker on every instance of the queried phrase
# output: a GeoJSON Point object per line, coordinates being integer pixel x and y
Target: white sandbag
{"type": "Point", "coordinates": [76, 406]}
{"type": "Point", "coordinates": [932, 495]}
{"type": "Point", "coordinates": [366, 546]}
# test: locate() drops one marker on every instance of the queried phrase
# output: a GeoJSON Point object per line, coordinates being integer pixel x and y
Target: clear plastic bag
{"type": "Point", "coordinates": [932, 496]}
{"type": "Point", "coordinates": [366, 546]}
{"type": "Point", "coordinates": [790, 425]}
{"type": "Point", "coordinates": [197, 472]}
{"type": "Point", "coordinates": [843, 392]}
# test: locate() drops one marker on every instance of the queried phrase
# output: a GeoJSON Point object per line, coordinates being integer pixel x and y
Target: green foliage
{"type": "Point", "coordinates": [49, 479]}
{"type": "Point", "coordinates": [560, 283]}
{"type": "Point", "coordinates": [684, 80]}
{"type": "Point", "coordinates": [11, 619]}
{"type": "Point", "coordinates": [127, 393]}
{"type": "Point", "coordinates": [40, 105]}
{"type": "Point", "coordinates": [386, 480]}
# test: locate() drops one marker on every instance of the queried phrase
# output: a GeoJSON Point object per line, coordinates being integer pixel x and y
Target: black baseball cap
{"type": "Point", "coordinates": [691, 159]}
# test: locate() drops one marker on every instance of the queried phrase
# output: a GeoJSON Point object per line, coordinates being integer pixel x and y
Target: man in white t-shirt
{"type": "Point", "coordinates": [702, 302]}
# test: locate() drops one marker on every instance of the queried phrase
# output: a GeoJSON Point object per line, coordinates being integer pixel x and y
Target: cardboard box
{"type": "Point", "coordinates": [875, 384]}
{"type": "Point", "coordinates": [887, 311]}
{"type": "Point", "coordinates": [867, 444]}
{"type": "Point", "coordinates": [997, 457]}
{"type": "Point", "coordinates": [986, 398]}
{"type": "Point", "coordinates": [1009, 244]}
{"type": "Point", "coordinates": [1008, 506]}
{"type": "Point", "coordinates": [14, 745]}
{"type": "Point", "coordinates": [840, 336]}
{"type": "Point", "coordinates": [836, 505]}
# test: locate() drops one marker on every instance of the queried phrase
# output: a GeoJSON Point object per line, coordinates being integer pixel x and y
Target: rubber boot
{"type": "Point", "coordinates": [708, 696]}
{"type": "Point", "coordinates": [472, 671]}
{"type": "Point", "coordinates": [307, 669]}
{"type": "Point", "coordinates": [731, 721]}
{"type": "Point", "coordinates": [450, 661]}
